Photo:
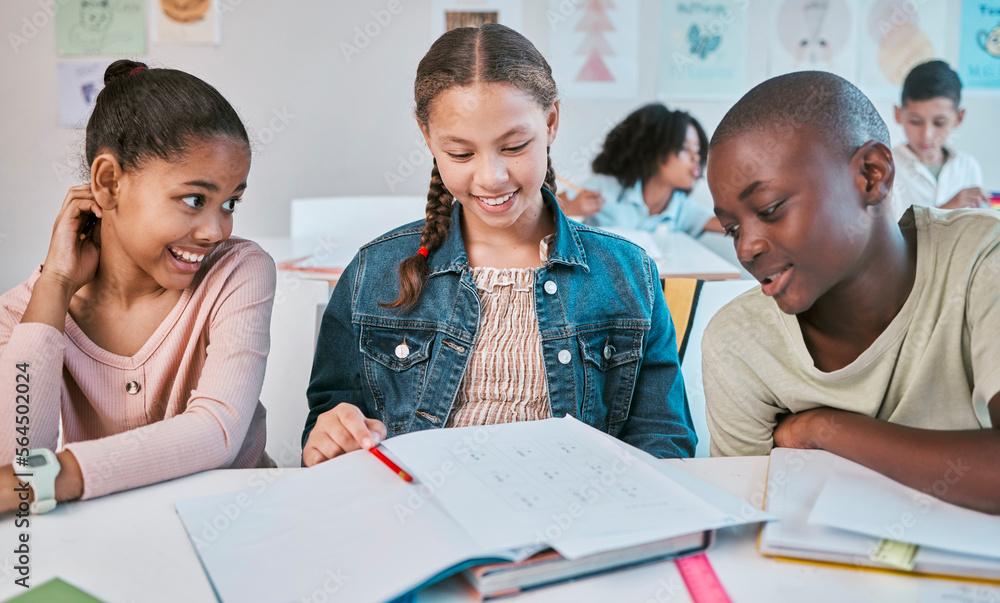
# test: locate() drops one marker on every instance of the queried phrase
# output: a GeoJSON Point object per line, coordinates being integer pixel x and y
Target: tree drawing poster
{"type": "Point", "coordinates": [594, 48]}
{"type": "Point", "coordinates": [814, 34]}
{"type": "Point", "coordinates": [703, 48]}
{"type": "Point", "coordinates": [979, 45]}
{"type": "Point", "coordinates": [894, 38]}
{"type": "Point", "coordinates": [101, 27]}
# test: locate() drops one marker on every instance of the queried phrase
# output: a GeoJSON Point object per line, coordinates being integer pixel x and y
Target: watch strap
{"type": "Point", "coordinates": [43, 481]}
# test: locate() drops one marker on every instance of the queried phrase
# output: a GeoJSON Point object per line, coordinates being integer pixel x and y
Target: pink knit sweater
{"type": "Point", "coordinates": [199, 379]}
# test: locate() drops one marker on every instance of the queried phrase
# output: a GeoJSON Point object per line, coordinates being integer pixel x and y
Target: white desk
{"type": "Point", "coordinates": [682, 257]}
{"type": "Point", "coordinates": [131, 546]}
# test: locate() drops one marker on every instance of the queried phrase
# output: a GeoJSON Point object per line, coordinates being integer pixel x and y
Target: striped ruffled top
{"type": "Point", "coordinates": [505, 379]}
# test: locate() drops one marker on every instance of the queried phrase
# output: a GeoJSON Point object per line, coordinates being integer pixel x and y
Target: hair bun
{"type": "Point", "coordinates": [121, 68]}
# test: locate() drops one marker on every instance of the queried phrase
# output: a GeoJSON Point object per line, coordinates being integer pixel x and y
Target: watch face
{"type": "Point", "coordinates": [36, 461]}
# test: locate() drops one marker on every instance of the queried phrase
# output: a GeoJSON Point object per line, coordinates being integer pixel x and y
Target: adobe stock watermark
{"type": "Point", "coordinates": [227, 514]}
{"type": "Point", "coordinates": [74, 166]}
{"type": "Point", "coordinates": [429, 485]}
{"type": "Point", "coordinates": [229, 6]}
{"type": "Point", "coordinates": [796, 463]}
{"type": "Point", "coordinates": [922, 502]}
{"type": "Point", "coordinates": [815, 101]}
{"type": "Point", "coordinates": [588, 493]}
{"type": "Point", "coordinates": [563, 11]}
{"type": "Point", "coordinates": [276, 124]}
{"type": "Point", "coordinates": [668, 590]}
{"type": "Point", "coordinates": [416, 161]}
{"type": "Point", "coordinates": [28, 28]}
{"type": "Point", "coordinates": [364, 34]}
{"type": "Point", "coordinates": [333, 581]}
{"type": "Point", "coordinates": [581, 157]}
{"type": "Point", "coordinates": [902, 13]}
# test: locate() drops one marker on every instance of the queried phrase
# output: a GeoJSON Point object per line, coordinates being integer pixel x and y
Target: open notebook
{"type": "Point", "coordinates": [832, 509]}
{"type": "Point", "coordinates": [351, 526]}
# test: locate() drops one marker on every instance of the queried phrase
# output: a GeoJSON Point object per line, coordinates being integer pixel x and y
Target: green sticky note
{"type": "Point", "coordinates": [54, 591]}
{"type": "Point", "coordinates": [101, 27]}
{"type": "Point", "coordinates": [900, 555]}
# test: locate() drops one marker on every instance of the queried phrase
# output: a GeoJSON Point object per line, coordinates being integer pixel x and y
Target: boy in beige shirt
{"type": "Point", "coordinates": [875, 341]}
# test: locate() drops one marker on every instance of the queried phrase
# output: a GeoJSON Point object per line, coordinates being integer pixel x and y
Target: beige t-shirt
{"type": "Point", "coordinates": [936, 366]}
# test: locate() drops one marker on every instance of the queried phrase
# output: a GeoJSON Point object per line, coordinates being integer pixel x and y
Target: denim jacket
{"type": "Point", "coordinates": [608, 343]}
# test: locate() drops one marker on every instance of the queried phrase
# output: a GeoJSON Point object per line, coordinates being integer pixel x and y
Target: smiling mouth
{"type": "Point", "coordinates": [185, 256]}
{"type": "Point", "coordinates": [775, 283]}
{"type": "Point", "coordinates": [496, 200]}
{"type": "Point", "coordinates": [767, 280]}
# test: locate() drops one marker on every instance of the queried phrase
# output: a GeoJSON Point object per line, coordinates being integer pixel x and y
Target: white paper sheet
{"type": "Point", "coordinates": [878, 506]}
{"type": "Point", "coordinates": [796, 480]}
{"type": "Point", "coordinates": [333, 532]}
{"type": "Point", "coordinates": [639, 237]}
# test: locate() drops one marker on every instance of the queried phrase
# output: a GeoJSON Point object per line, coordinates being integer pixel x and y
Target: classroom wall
{"type": "Point", "coordinates": [325, 125]}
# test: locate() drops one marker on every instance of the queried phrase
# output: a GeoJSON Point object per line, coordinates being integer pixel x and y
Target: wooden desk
{"type": "Point", "coordinates": [131, 546]}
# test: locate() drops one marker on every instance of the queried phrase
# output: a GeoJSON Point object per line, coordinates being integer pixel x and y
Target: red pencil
{"type": "Point", "coordinates": [378, 453]}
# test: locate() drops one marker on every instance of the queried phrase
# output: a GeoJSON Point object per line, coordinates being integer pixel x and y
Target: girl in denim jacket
{"type": "Point", "coordinates": [503, 310]}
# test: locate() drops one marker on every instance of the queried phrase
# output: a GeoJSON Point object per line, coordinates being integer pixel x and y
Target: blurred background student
{"type": "Point", "coordinates": [929, 171]}
{"type": "Point", "coordinates": [644, 173]}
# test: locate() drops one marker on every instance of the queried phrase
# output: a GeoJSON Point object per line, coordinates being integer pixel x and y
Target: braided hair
{"type": "Point", "coordinates": [490, 53]}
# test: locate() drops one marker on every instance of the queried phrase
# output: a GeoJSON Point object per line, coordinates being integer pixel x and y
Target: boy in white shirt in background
{"type": "Point", "coordinates": [928, 172]}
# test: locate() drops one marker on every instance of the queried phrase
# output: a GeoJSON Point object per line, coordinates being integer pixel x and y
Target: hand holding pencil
{"type": "Point", "coordinates": [343, 428]}
{"type": "Point", "coordinates": [585, 203]}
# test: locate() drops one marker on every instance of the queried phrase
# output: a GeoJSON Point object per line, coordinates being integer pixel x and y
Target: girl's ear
{"type": "Point", "coordinates": [105, 180]}
{"type": "Point", "coordinates": [552, 122]}
{"type": "Point", "coordinates": [875, 172]}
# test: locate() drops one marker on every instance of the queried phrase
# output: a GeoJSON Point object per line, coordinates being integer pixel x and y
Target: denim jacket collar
{"type": "Point", "coordinates": [566, 249]}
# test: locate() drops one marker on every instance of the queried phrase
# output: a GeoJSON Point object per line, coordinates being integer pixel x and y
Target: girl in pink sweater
{"type": "Point", "coordinates": [139, 345]}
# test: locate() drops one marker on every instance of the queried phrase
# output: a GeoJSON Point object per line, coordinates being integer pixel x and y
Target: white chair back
{"type": "Point", "coordinates": [714, 295]}
{"type": "Point", "coordinates": [353, 219]}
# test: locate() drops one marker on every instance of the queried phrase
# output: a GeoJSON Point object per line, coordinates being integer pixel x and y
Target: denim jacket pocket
{"type": "Point", "coordinates": [611, 362]}
{"type": "Point", "coordinates": [395, 367]}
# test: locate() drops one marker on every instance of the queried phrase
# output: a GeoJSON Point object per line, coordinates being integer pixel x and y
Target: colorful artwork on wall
{"type": "Point", "coordinates": [593, 48]}
{"type": "Point", "coordinates": [703, 48]}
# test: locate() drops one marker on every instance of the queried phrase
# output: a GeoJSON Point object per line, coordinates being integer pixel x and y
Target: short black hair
{"type": "Point", "coordinates": [143, 113]}
{"type": "Point", "coordinates": [932, 79]}
{"type": "Point", "coordinates": [827, 104]}
{"type": "Point", "coordinates": [635, 148]}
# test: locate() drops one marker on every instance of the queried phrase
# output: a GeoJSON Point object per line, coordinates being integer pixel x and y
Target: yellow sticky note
{"type": "Point", "coordinates": [897, 554]}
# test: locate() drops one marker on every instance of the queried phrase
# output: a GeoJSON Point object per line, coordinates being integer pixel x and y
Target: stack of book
{"type": "Point", "coordinates": [830, 509]}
